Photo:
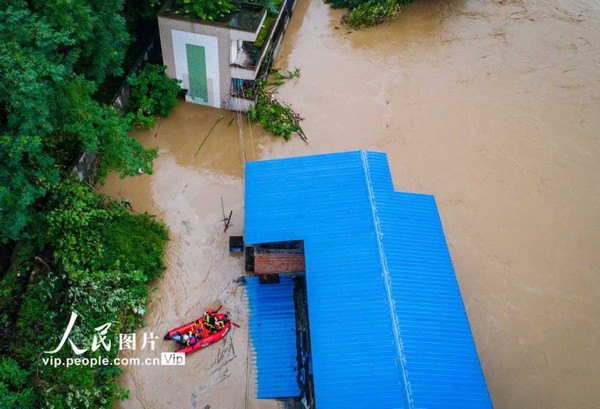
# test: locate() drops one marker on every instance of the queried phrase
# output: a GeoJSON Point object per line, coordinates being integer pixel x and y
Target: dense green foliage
{"type": "Point", "coordinates": [371, 13]}
{"type": "Point", "coordinates": [368, 13]}
{"type": "Point", "coordinates": [52, 57]}
{"type": "Point", "coordinates": [14, 389]}
{"type": "Point", "coordinates": [99, 259]}
{"type": "Point", "coordinates": [152, 93]}
{"type": "Point", "coordinates": [103, 249]}
{"type": "Point", "coordinates": [207, 10]}
{"type": "Point", "coordinates": [96, 32]}
{"type": "Point", "coordinates": [26, 173]}
{"type": "Point", "coordinates": [77, 251]}
{"type": "Point", "coordinates": [273, 116]}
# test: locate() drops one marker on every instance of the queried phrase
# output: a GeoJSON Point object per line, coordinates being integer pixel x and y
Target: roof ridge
{"type": "Point", "coordinates": [386, 277]}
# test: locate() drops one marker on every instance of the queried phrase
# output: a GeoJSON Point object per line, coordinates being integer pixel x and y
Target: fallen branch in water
{"type": "Point", "coordinates": [276, 117]}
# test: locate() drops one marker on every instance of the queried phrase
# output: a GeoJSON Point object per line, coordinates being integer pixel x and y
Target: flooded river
{"type": "Point", "coordinates": [493, 106]}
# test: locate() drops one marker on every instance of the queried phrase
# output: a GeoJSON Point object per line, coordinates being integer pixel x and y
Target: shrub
{"type": "Point", "coordinates": [101, 246]}
{"type": "Point", "coordinates": [372, 13]}
{"type": "Point", "coordinates": [207, 10]}
{"type": "Point", "coordinates": [368, 13]}
{"type": "Point", "coordinates": [152, 93]}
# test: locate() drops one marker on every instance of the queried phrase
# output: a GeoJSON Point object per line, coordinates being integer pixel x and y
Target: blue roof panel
{"type": "Point", "coordinates": [388, 327]}
{"type": "Point", "coordinates": [273, 333]}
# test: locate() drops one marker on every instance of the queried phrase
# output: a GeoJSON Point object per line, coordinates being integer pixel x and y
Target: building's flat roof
{"type": "Point", "coordinates": [247, 18]}
{"type": "Point", "coordinates": [387, 322]}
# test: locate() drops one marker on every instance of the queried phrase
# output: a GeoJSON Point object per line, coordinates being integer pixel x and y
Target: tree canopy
{"type": "Point", "coordinates": [53, 56]}
{"type": "Point", "coordinates": [75, 251]}
{"type": "Point", "coordinates": [99, 259]}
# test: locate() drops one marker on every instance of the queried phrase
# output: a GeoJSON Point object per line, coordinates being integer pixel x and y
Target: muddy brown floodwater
{"type": "Point", "coordinates": [493, 106]}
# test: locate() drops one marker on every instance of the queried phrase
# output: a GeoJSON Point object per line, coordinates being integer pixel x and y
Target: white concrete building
{"type": "Point", "coordinates": [218, 62]}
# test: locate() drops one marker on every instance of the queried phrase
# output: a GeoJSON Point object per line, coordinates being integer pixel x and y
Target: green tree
{"type": "Point", "coordinates": [14, 392]}
{"type": "Point", "coordinates": [107, 253]}
{"type": "Point", "coordinates": [31, 65]}
{"type": "Point", "coordinates": [47, 112]}
{"type": "Point", "coordinates": [77, 251]}
{"type": "Point", "coordinates": [96, 30]}
{"type": "Point", "coordinates": [152, 93]}
{"type": "Point", "coordinates": [26, 174]}
{"type": "Point", "coordinates": [97, 260]}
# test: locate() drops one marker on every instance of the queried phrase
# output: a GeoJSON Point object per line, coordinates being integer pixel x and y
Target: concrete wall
{"type": "Point", "coordinates": [175, 33]}
{"type": "Point", "coordinates": [151, 53]}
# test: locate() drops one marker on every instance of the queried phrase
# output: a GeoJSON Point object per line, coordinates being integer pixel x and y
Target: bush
{"type": "Point", "coordinates": [372, 13]}
{"type": "Point", "coordinates": [102, 247]}
{"type": "Point", "coordinates": [152, 93]}
{"type": "Point", "coordinates": [207, 10]}
{"type": "Point", "coordinates": [368, 13]}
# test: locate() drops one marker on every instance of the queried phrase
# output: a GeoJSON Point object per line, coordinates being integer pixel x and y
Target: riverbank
{"type": "Point", "coordinates": [492, 107]}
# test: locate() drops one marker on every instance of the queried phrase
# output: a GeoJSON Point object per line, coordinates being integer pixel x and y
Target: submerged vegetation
{"type": "Point", "coordinates": [152, 93]}
{"type": "Point", "coordinates": [368, 13]}
{"type": "Point", "coordinates": [272, 115]}
{"type": "Point", "coordinates": [73, 250]}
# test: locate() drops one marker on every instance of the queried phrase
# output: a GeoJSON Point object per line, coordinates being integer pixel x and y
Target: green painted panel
{"type": "Point", "coordinates": [196, 60]}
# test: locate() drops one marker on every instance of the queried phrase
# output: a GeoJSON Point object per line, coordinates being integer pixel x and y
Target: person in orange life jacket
{"type": "Point", "coordinates": [190, 339]}
{"type": "Point", "coordinates": [199, 329]}
{"type": "Point", "coordinates": [197, 326]}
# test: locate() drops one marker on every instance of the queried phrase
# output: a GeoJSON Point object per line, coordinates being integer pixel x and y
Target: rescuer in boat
{"type": "Point", "coordinates": [190, 339]}
{"type": "Point", "coordinates": [211, 322]}
{"type": "Point", "coordinates": [199, 329]}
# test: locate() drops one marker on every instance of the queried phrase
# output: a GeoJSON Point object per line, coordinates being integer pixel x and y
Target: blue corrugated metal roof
{"type": "Point", "coordinates": [273, 334]}
{"type": "Point", "coordinates": [387, 322]}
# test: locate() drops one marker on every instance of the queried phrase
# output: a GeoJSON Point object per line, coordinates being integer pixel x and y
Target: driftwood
{"type": "Point", "coordinates": [226, 219]}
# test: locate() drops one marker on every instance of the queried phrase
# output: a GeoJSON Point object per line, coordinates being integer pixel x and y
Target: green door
{"type": "Point", "coordinates": [196, 59]}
